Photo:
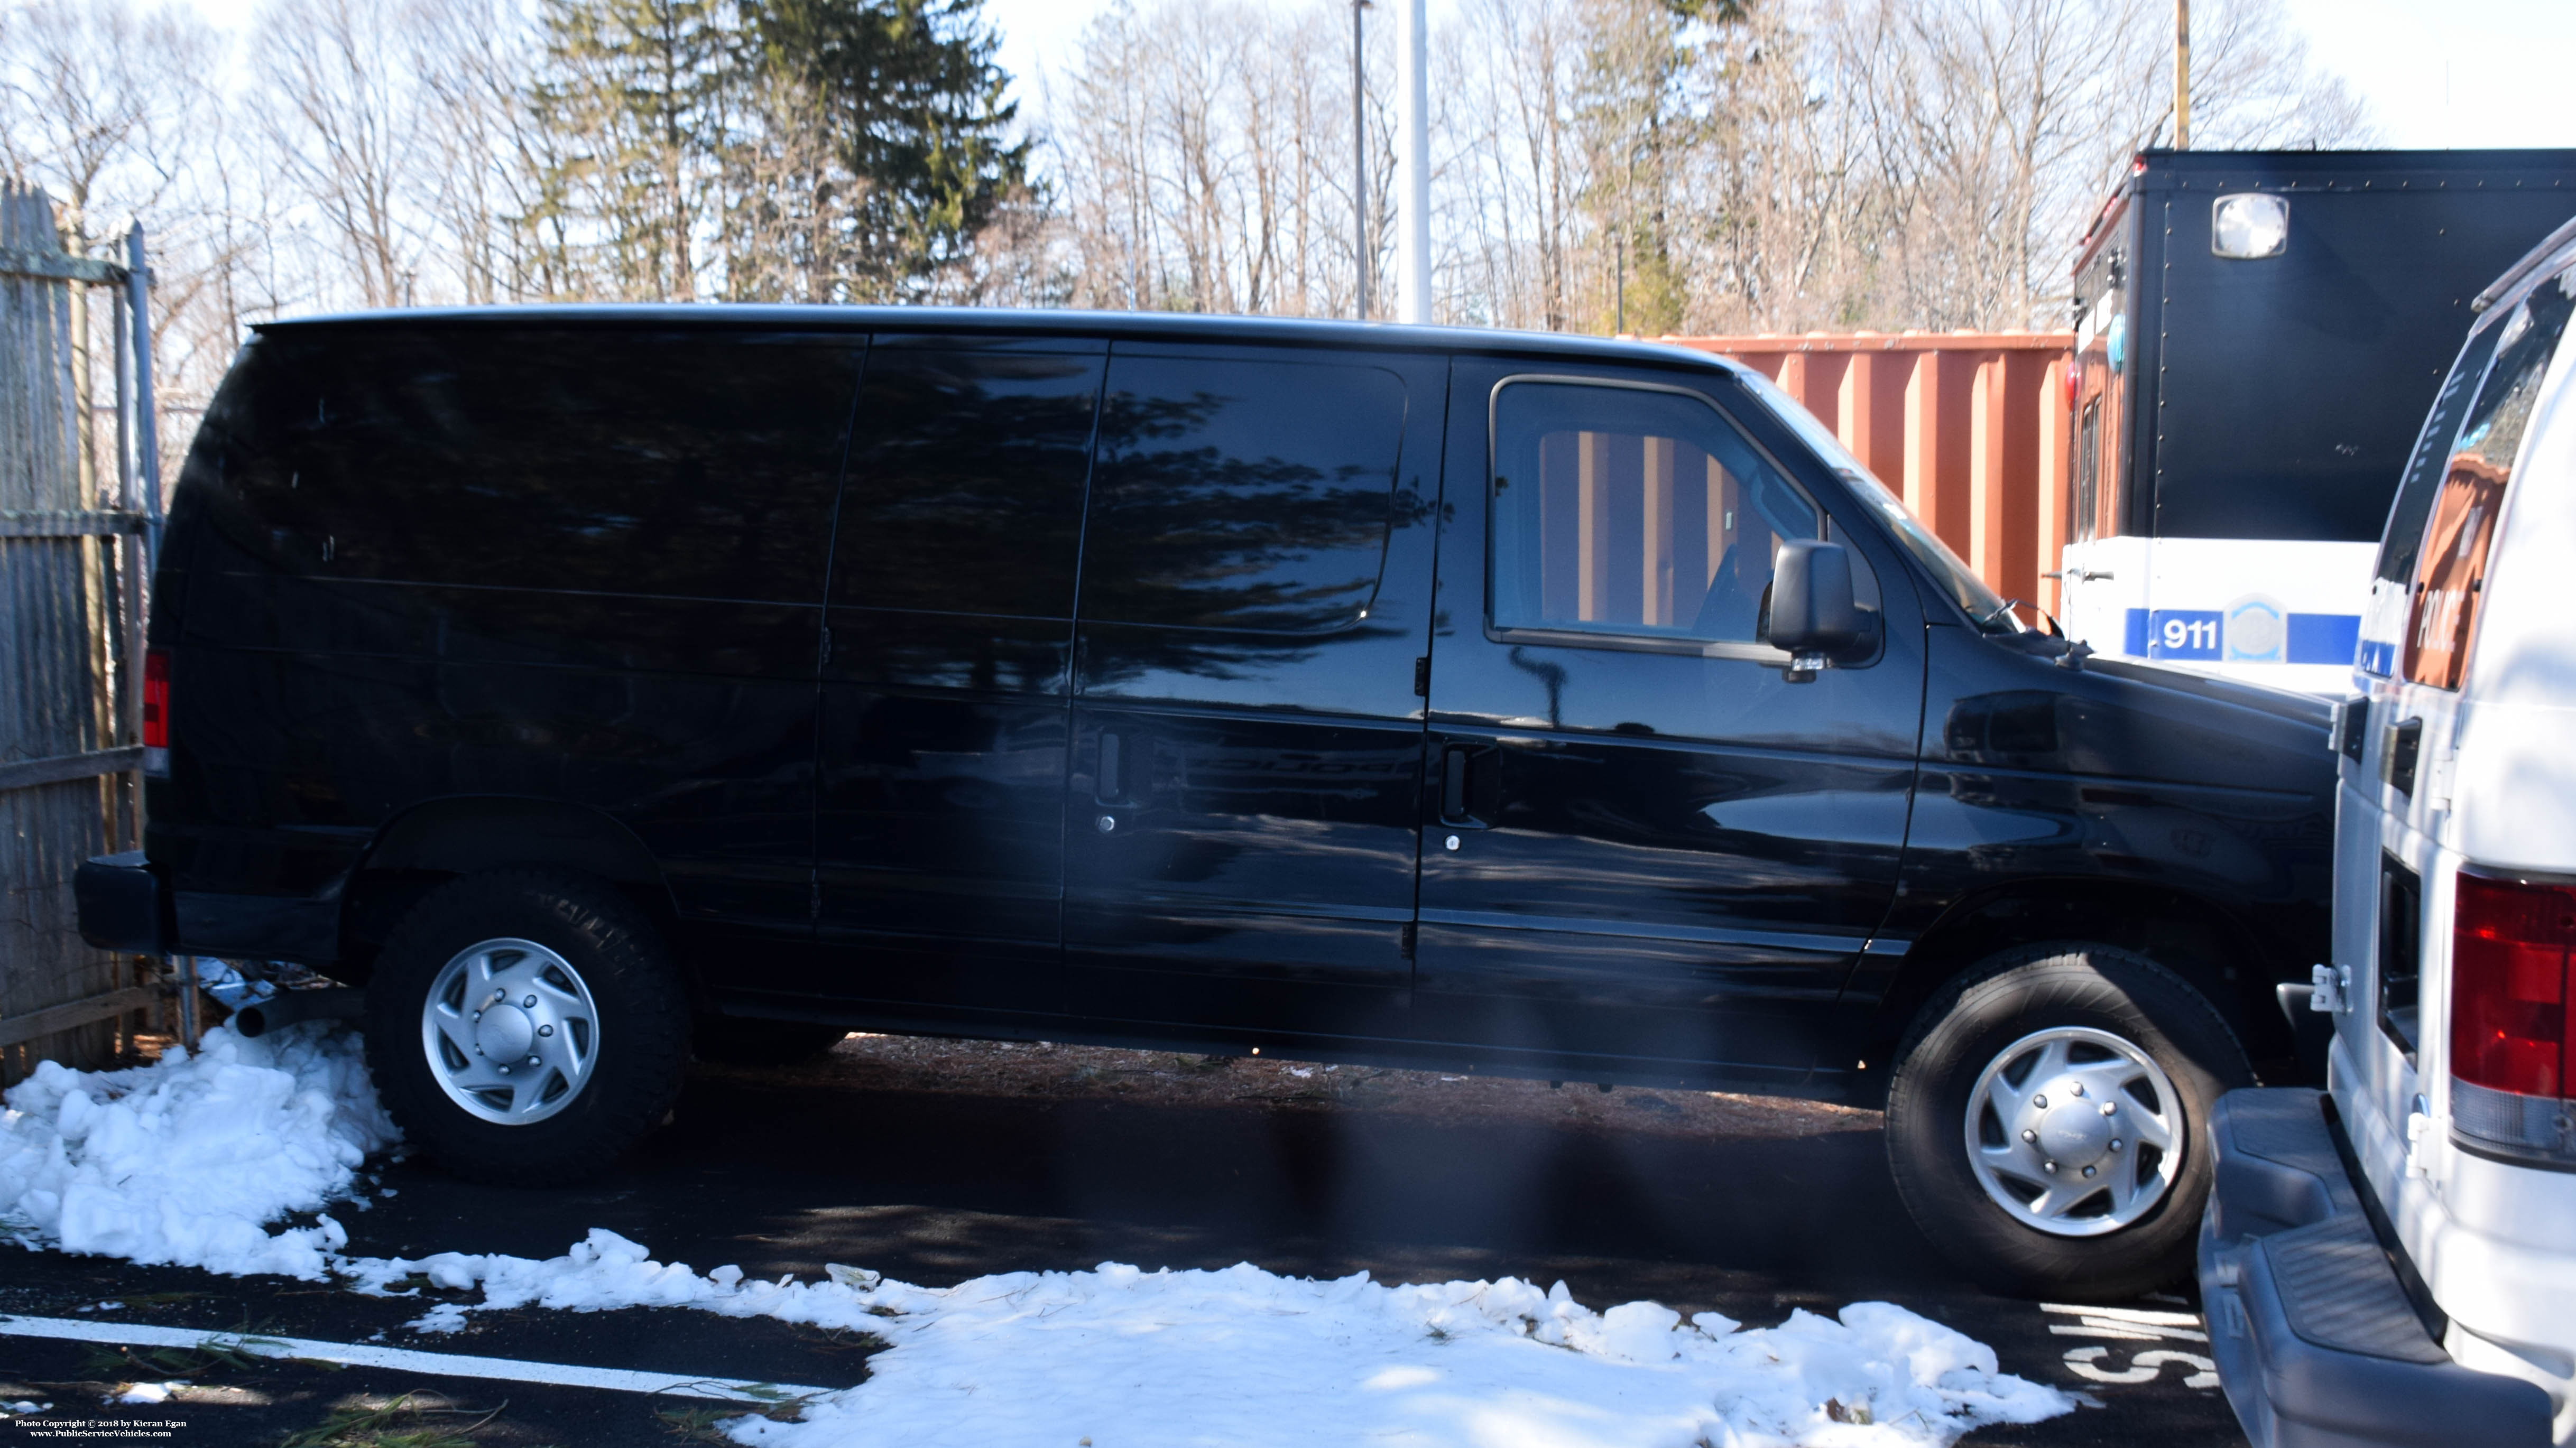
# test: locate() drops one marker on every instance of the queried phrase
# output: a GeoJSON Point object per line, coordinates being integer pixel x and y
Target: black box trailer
{"type": "Point", "coordinates": [2258, 337]}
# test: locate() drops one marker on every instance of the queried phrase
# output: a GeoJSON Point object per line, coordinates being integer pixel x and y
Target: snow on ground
{"type": "Point", "coordinates": [1245, 1357]}
{"type": "Point", "coordinates": [1242, 1357]}
{"type": "Point", "coordinates": [188, 1160]}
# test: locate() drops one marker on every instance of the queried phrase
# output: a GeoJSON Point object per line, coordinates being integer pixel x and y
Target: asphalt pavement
{"type": "Point", "coordinates": [787, 1171]}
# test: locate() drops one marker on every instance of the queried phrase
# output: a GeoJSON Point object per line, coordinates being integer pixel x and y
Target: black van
{"type": "Point", "coordinates": [596, 685]}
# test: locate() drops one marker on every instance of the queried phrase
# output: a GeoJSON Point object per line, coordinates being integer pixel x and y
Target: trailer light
{"type": "Point", "coordinates": [2249, 225]}
{"type": "Point", "coordinates": [2513, 1014]}
{"type": "Point", "coordinates": [156, 712]}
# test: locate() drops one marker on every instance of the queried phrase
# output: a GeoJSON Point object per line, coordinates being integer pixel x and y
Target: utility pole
{"type": "Point", "coordinates": [1359, 157]}
{"type": "Point", "coordinates": [1413, 166]}
{"type": "Point", "coordinates": [2182, 75]}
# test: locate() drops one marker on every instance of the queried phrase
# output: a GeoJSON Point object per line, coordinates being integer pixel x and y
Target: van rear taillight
{"type": "Point", "coordinates": [156, 712]}
{"type": "Point", "coordinates": [2513, 1014]}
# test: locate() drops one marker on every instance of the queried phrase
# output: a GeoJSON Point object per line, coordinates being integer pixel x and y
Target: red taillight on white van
{"type": "Point", "coordinates": [2513, 1013]}
{"type": "Point", "coordinates": [156, 712]}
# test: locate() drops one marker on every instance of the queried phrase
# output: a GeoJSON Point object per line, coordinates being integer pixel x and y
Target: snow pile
{"type": "Point", "coordinates": [1242, 1357]}
{"type": "Point", "coordinates": [187, 1160]}
{"type": "Point", "coordinates": [1246, 1357]}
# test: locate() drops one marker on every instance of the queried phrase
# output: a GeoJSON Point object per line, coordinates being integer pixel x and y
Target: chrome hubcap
{"type": "Point", "coordinates": [2075, 1132]}
{"type": "Point", "coordinates": [510, 1031]}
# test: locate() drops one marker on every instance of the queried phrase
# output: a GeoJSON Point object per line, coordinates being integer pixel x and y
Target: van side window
{"type": "Point", "coordinates": [2425, 466]}
{"type": "Point", "coordinates": [1241, 495]}
{"type": "Point", "coordinates": [2450, 565]}
{"type": "Point", "coordinates": [1625, 511]}
{"type": "Point", "coordinates": [695, 464]}
{"type": "Point", "coordinates": [960, 459]}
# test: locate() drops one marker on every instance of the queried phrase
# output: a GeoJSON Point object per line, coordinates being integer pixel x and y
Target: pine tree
{"type": "Point", "coordinates": [912, 111]}
{"type": "Point", "coordinates": [634, 93]}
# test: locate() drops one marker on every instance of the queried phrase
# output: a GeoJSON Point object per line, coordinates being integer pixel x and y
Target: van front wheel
{"type": "Point", "coordinates": [526, 1027]}
{"type": "Point", "coordinates": [2043, 1123]}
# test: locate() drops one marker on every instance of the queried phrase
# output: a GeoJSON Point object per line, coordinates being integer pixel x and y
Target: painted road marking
{"type": "Point", "coordinates": [401, 1359]}
{"type": "Point", "coordinates": [2133, 1324]}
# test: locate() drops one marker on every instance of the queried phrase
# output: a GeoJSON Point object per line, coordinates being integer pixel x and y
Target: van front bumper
{"type": "Point", "coordinates": [2317, 1343]}
{"type": "Point", "coordinates": [121, 903]}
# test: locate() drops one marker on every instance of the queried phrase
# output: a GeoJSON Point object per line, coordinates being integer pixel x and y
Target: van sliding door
{"type": "Point", "coordinates": [1240, 851]}
{"type": "Point", "coordinates": [938, 827]}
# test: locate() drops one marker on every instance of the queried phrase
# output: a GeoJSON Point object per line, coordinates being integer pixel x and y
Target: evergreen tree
{"type": "Point", "coordinates": [911, 111]}
{"type": "Point", "coordinates": [634, 93]}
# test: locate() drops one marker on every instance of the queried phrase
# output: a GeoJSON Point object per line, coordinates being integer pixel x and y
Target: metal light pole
{"type": "Point", "coordinates": [2182, 75]}
{"type": "Point", "coordinates": [1413, 167]}
{"type": "Point", "coordinates": [1359, 157]}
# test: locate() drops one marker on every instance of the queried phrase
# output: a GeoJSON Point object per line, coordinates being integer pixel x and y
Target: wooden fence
{"type": "Point", "coordinates": [1970, 428]}
{"type": "Point", "coordinates": [79, 488]}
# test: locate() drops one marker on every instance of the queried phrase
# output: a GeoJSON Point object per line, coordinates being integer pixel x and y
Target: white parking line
{"type": "Point", "coordinates": [436, 1364]}
{"type": "Point", "coordinates": [2130, 1323]}
{"type": "Point", "coordinates": [2136, 1315]}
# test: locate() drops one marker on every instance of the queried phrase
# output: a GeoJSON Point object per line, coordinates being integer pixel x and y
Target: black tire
{"type": "Point", "coordinates": [1974, 1019]}
{"type": "Point", "coordinates": [748, 1041]}
{"type": "Point", "coordinates": [643, 1025]}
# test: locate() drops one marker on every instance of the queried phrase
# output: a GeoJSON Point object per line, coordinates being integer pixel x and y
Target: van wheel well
{"type": "Point", "coordinates": [436, 842]}
{"type": "Point", "coordinates": [2182, 933]}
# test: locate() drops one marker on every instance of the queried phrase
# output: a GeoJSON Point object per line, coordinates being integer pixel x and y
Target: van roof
{"type": "Point", "coordinates": [1034, 322]}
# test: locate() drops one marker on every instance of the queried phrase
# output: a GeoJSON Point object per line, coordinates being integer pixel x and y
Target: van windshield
{"type": "Point", "coordinates": [1986, 608]}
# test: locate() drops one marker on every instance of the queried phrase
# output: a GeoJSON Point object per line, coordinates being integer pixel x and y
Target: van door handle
{"type": "Point", "coordinates": [1111, 786]}
{"type": "Point", "coordinates": [2352, 726]}
{"type": "Point", "coordinates": [1467, 783]}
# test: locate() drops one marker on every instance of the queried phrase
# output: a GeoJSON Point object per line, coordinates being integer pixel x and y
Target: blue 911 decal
{"type": "Point", "coordinates": [2201, 634]}
{"type": "Point", "coordinates": [2183, 633]}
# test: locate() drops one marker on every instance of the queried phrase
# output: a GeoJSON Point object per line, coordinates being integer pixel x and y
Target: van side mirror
{"type": "Point", "coordinates": [1814, 617]}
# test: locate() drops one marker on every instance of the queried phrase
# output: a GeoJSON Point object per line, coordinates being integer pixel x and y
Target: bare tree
{"type": "Point", "coordinates": [1994, 126]}
{"type": "Point", "coordinates": [347, 134]}
{"type": "Point", "coordinates": [1203, 155]}
{"type": "Point", "coordinates": [1514, 164]}
{"type": "Point", "coordinates": [486, 153]}
{"type": "Point", "coordinates": [100, 100]}
{"type": "Point", "coordinates": [110, 109]}
{"type": "Point", "coordinates": [781, 192]}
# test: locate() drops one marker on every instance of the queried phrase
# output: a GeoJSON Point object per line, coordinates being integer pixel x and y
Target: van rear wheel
{"type": "Point", "coordinates": [526, 1027]}
{"type": "Point", "coordinates": [2044, 1120]}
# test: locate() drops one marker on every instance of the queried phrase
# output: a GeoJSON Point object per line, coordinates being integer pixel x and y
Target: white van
{"type": "Point", "coordinates": [2393, 1261]}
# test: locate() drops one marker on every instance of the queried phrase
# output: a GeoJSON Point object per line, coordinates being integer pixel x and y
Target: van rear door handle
{"type": "Point", "coordinates": [2399, 747]}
